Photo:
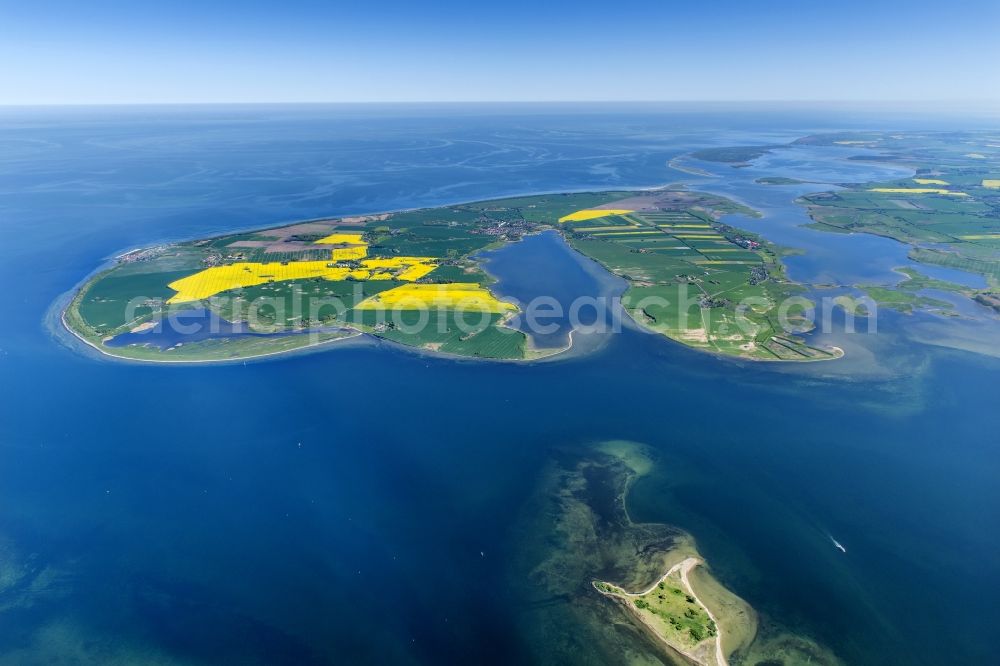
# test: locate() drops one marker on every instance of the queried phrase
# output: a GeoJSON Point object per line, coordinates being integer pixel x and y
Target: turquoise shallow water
{"type": "Point", "coordinates": [357, 505]}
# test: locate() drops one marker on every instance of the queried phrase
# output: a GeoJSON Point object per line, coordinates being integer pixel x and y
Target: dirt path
{"type": "Point", "coordinates": [685, 567]}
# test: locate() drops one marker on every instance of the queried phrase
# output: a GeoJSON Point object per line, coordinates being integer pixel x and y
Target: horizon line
{"type": "Point", "coordinates": [980, 102]}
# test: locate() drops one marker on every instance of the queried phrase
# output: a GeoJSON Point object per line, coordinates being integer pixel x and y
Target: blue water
{"type": "Point", "coordinates": [186, 326]}
{"type": "Point", "coordinates": [358, 505]}
{"type": "Point", "coordinates": [546, 279]}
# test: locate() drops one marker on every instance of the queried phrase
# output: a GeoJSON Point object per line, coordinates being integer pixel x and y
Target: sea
{"type": "Point", "coordinates": [364, 503]}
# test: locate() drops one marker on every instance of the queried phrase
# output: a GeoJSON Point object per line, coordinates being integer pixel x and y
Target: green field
{"type": "Point", "coordinates": [689, 273]}
{"type": "Point", "coordinates": [672, 609]}
{"type": "Point", "coordinates": [903, 300]}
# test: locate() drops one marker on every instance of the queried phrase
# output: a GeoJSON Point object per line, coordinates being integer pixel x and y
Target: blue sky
{"type": "Point", "coordinates": [107, 51]}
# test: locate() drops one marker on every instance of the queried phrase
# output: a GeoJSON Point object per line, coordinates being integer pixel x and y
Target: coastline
{"type": "Point", "coordinates": [129, 359]}
{"type": "Point", "coordinates": [357, 338]}
{"type": "Point", "coordinates": [691, 170]}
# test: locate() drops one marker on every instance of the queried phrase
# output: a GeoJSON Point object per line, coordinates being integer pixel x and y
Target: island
{"type": "Point", "coordinates": [417, 278]}
{"type": "Point", "coordinates": [735, 156]}
{"type": "Point", "coordinates": [629, 591]}
{"type": "Point", "coordinates": [779, 180]}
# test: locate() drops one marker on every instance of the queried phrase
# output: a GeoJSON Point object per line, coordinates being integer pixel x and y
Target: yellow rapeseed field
{"type": "Point", "coordinates": [916, 190]}
{"type": "Point", "coordinates": [414, 268]}
{"type": "Point", "coordinates": [416, 271]}
{"type": "Point", "coordinates": [356, 248]}
{"type": "Point", "coordinates": [592, 213]}
{"type": "Point", "coordinates": [394, 262]}
{"type": "Point", "coordinates": [992, 183]}
{"type": "Point", "coordinates": [463, 296]}
{"type": "Point", "coordinates": [349, 253]}
{"type": "Point", "coordinates": [342, 238]}
{"type": "Point", "coordinates": [218, 279]}
{"type": "Point", "coordinates": [620, 227]}
{"type": "Point", "coordinates": [981, 237]}
{"type": "Point", "coordinates": [629, 233]}
{"type": "Point", "coordinates": [930, 181]}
